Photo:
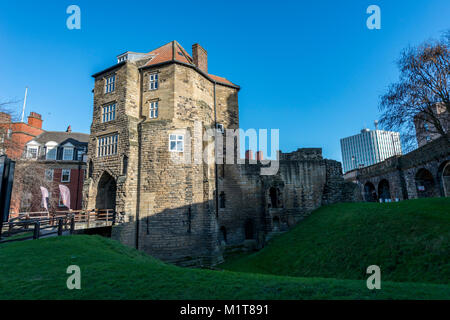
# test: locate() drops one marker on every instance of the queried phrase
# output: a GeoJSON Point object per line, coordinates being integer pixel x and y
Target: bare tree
{"type": "Point", "coordinates": [420, 100]}
{"type": "Point", "coordinates": [7, 116]}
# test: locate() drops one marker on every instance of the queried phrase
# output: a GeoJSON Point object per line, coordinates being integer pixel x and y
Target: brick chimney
{"type": "Point", "coordinates": [259, 155]}
{"type": "Point", "coordinates": [200, 57]}
{"type": "Point", "coordinates": [249, 155]}
{"type": "Point", "coordinates": [35, 120]}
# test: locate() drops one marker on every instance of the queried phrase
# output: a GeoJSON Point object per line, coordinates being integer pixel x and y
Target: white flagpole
{"type": "Point", "coordinates": [24, 104]}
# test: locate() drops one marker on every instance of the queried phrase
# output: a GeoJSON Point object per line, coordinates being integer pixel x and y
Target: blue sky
{"type": "Point", "coordinates": [309, 68]}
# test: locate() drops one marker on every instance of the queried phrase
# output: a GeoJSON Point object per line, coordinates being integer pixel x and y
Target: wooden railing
{"type": "Point", "coordinates": [35, 225]}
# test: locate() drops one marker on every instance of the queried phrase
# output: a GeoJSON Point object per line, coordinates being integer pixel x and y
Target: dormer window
{"type": "Point", "coordinates": [153, 81]}
{"type": "Point", "coordinates": [32, 152]}
{"type": "Point", "coordinates": [122, 58]}
{"type": "Point", "coordinates": [68, 153]}
{"type": "Point", "coordinates": [110, 84]}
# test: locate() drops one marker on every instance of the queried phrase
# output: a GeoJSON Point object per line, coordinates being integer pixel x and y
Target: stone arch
{"type": "Point", "coordinates": [249, 229]}
{"type": "Point", "coordinates": [276, 223]}
{"type": "Point", "coordinates": [370, 193]}
{"type": "Point", "coordinates": [222, 200]}
{"type": "Point", "coordinates": [106, 192]}
{"type": "Point", "coordinates": [425, 184]}
{"type": "Point", "coordinates": [444, 178]}
{"type": "Point", "coordinates": [384, 191]}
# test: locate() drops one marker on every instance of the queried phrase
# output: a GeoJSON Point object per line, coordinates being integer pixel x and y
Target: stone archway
{"type": "Point", "coordinates": [444, 177]}
{"type": "Point", "coordinates": [106, 192]}
{"type": "Point", "coordinates": [425, 184]}
{"type": "Point", "coordinates": [384, 191]}
{"type": "Point", "coordinates": [370, 193]}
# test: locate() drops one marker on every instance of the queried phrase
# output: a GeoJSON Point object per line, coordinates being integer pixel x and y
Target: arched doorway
{"type": "Point", "coordinates": [249, 229]}
{"type": "Point", "coordinates": [370, 194]}
{"type": "Point", "coordinates": [384, 191]}
{"type": "Point", "coordinates": [106, 192]}
{"type": "Point", "coordinates": [444, 174]}
{"type": "Point", "coordinates": [425, 184]}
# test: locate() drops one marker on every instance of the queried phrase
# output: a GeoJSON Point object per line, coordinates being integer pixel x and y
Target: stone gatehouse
{"type": "Point", "coordinates": [424, 172]}
{"type": "Point", "coordinates": [147, 108]}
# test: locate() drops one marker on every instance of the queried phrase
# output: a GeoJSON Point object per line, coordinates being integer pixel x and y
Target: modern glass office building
{"type": "Point", "coordinates": [369, 147]}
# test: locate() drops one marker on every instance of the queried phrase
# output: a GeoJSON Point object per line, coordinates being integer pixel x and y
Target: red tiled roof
{"type": "Point", "coordinates": [166, 53]}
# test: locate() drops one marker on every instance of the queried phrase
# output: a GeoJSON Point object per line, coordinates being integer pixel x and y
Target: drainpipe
{"type": "Point", "coordinates": [138, 193]}
{"type": "Point", "coordinates": [215, 155]}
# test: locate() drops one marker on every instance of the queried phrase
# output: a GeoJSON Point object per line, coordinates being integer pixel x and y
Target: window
{"type": "Point", "coordinates": [9, 133]}
{"type": "Point", "coordinates": [51, 153]}
{"type": "Point", "coordinates": [110, 84]}
{"type": "Point", "coordinates": [107, 145]}
{"type": "Point", "coordinates": [80, 153]}
{"type": "Point", "coordinates": [65, 175]}
{"type": "Point", "coordinates": [109, 112]}
{"type": "Point", "coordinates": [176, 143]}
{"type": "Point", "coordinates": [68, 153]}
{"type": "Point", "coordinates": [427, 127]}
{"type": "Point", "coordinates": [48, 175]}
{"type": "Point", "coordinates": [32, 152]}
{"type": "Point", "coordinates": [153, 81]}
{"type": "Point", "coordinates": [153, 109]}
{"type": "Point", "coordinates": [221, 128]}
{"type": "Point", "coordinates": [428, 138]}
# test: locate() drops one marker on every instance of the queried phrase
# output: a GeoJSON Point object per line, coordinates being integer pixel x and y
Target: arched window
{"type": "Point", "coordinates": [222, 200]}
{"type": "Point", "coordinates": [249, 229]}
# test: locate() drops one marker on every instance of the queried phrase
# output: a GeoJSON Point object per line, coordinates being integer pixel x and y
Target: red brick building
{"type": "Point", "coordinates": [50, 159]}
{"type": "Point", "coordinates": [14, 135]}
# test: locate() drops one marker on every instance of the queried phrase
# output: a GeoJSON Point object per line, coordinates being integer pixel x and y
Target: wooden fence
{"type": "Point", "coordinates": [35, 225]}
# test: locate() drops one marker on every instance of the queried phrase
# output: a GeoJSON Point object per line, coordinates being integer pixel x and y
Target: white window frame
{"type": "Point", "coordinates": [64, 153]}
{"type": "Point", "coordinates": [46, 175]}
{"type": "Point", "coordinates": [153, 81]}
{"type": "Point", "coordinates": [49, 148]}
{"type": "Point", "coordinates": [178, 139]}
{"type": "Point", "coordinates": [109, 112]}
{"type": "Point", "coordinates": [153, 109]}
{"type": "Point", "coordinates": [29, 148]}
{"type": "Point", "coordinates": [62, 175]}
{"type": "Point", "coordinates": [107, 145]}
{"type": "Point", "coordinates": [110, 84]}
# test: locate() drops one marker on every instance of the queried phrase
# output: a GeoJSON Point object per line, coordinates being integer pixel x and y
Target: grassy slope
{"type": "Point", "coordinates": [37, 270]}
{"type": "Point", "coordinates": [410, 241]}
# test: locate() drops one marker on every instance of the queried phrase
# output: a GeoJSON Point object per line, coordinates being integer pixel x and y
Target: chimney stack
{"type": "Point", "coordinates": [249, 155]}
{"type": "Point", "coordinates": [200, 57]}
{"type": "Point", "coordinates": [259, 155]}
{"type": "Point", "coordinates": [35, 120]}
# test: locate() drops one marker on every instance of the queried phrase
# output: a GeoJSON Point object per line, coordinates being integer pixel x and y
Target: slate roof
{"type": "Point", "coordinates": [60, 137]}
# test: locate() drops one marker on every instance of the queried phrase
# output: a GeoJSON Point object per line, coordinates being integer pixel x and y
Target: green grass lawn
{"type": "Point", "coordinates": [37, 270]}
{"type": "Point", "coordinates": [409, 240]}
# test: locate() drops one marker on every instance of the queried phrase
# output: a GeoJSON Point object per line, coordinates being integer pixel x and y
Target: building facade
{"type": "Point", "coordinates": [50, 159]}
{"type": "Point", "coordinates": [150, 111]}
{"type": "Point", "coordinates": [369, 147]}
{"type": "Point", "coordinates": [14, 135]}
